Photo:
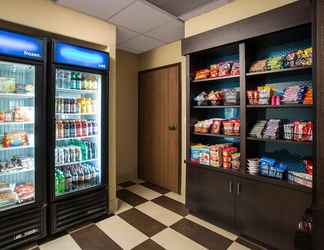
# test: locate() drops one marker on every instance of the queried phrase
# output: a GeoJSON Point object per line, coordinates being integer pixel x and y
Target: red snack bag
{"type": "Point", "coordinates": [235, 69]}
{"type": "Point", "coordinates": [214, 70]}
{"type": "Point", "coordinates": [225, 69]}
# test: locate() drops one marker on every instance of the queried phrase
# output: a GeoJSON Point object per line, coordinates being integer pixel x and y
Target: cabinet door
{"type": "Point", "coordinates": [269, 213]}
{"type": "Point", "coordinates": [210, 195]}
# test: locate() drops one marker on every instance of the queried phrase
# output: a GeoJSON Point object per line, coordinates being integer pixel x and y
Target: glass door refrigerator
{"type": "Point", "coordinates": [22, 136]}
{"type": "Point", "coordinates": [79, 135]}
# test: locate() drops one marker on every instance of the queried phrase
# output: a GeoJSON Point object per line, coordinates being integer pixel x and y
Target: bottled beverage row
{"type": "Point", "coordinates": [75, 151]}
{"type": "Point", "coordinates": [75, 177]}
{"type": "Point", "coordinates": [76, 80]}
{"type": "Point", "coordinates": [75, 105]}
{"type": "Point", "coordinates": [75, 128]}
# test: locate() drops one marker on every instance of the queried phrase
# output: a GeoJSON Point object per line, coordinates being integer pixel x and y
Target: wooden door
{"type": "Point", "coordinates": [159, 127]}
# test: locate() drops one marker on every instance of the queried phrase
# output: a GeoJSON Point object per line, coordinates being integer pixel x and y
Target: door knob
{"type": "Point", "coordinates": [172, 127]}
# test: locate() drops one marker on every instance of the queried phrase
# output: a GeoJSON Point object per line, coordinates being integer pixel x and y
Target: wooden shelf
{"type": "Point", "coordinates": [216, 79]}
{"type": "Point", "coordinates": [279, 141]}
{"type": "Point", "coordinates": [242, 173]}
{"type": "Point", "coordinates": [258, 106]}
{"type": "Point", "coordinates": [215, 135]}
{"type": "Point", "coordinates": [279, 71]}
{"type": "Point", "coordinates": [216, 107]}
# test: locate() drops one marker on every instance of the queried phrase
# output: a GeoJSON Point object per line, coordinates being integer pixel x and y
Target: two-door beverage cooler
{"type": "Point", "coordinates": [78, 135]}
{"type": "Point", "coordinates": [22, 139]}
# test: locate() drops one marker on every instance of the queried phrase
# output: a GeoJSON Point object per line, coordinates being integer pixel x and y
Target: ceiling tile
{"type": "Point", "coordinates": [141, 17]}
{"type": "Point", "coordinates": [103, 9]}
{"type": "Point", "coordinates": [169, 32]}
{"type": "Point", "coordinates": [179, 7]}
{"type": "Point", "coordinates": [124, 34]}
{"type": "Point", "coordinates": [128, 49]}
{"type": "Point", "coordinates": [142, 44]}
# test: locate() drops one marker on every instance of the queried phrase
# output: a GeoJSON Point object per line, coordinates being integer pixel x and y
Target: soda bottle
{"type": "Point", "coordinates": [94, 150]}
{"type": "Point", "coordinates": [66, 153]}
{"type": "Point", "coordinates": [84, 128]}
{"type": "Point", "coordinates": [72, 154]}
{"type": "Point", "coordinates": [61, 129]}
{"type": "Point", "coordinates": [61, 181]}
{"type": "Point", "coordinates": [89, 125]}
{"type": "Point", "coordinates": [73, 80]}
{"type": "Point", "coordinates": [66, 129]}
{"type": "Point", "coordinates": [93, 105]}
{"type": "Point", "coordinates": [77, 152]}
{"type": "Point", "coordinates": [89, 156]}
{"type": "Point", "coordinates": [78, 80]}
{"type": "Point", "coordinates": [97, 175]}
{"type": "Point", "coordinates": [57, 190]}
{"type": "Point", "coordinates": [68, 181]}
{"type": "Point", "coordinates": [81, 176]}
{"type": "Point", "coordinates": [66, 105]}
{"type": "Point", "coordinates": [72, 128]}
{"type": "Point", "coordinates": [84, 150]}
{"type": "Point", "coordinates": [87, 175]}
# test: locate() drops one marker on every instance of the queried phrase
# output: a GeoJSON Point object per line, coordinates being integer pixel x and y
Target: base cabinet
{"type": "Point", "coordinates": [261, 211]}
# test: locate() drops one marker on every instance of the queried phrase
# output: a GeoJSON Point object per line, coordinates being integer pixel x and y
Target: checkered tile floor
{"type": "Point", "coordinates": [149, 217]}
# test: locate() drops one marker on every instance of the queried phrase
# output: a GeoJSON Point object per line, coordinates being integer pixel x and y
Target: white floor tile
{"type": "Point", "coordinates": [212, 227]}
{"type": "Point", "coordinates": [176, 197]}
{"type": "Point", "coordinates": [122, 206]}
{"type": "Point", "coordinates": [161, 214]}
{"type": "Point", "coordinates": [64, 242]}
{"type": "Point", "coordinates": [237, 246]}
{"type": "Point", "coordinates": [172, 240]}
{"type": "Point", "coordinates": [145, 192]}
{"type": "Point", "coordinates": [121, 232]}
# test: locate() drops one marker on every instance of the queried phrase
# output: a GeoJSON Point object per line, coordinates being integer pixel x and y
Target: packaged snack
{"type": "Point", "coordinates": [271, 130]}
{"type": "Point", "coordinates": [236, 128]}
{"type": "Point", "coordinates": [253, 97]}
{"type": "Point", "coordinates": [216, 126]}
{"type": "Point", "coordinates": [258, 128]}
{"type": "Point", "coordinates": [235, 69]}
{"type": "Point", "coordinates": [231, 97]}
{"type": "Point", "coordinates": [216, 154]}
{"type": "Point", "coordinates": [201, 99]}
{"type": "Point", "coordinates": [308, 98]}
{"type": "Point", "coordinates": [289, 60]}
{"type": "Point", "coordinates": [294, 94]}
{"type": "Point", "coordinates": [275, 63]}
{"type": "Point", "coordinates": [214, 70]}
{"type": "Point", "coordinates": [225, 69]}
{"type": "Point", "coordinates": [304, 57]}
{"type": "Point", "coordinates": [14, 139]}
{"type": "Point", "coordinates": [264, 95]}
{"type": "Point", "coordinates": [236, 163]}
{"type": "Point", "coordinates": [25, 192]}
{"type": "Point", "coordinates": [216, 97]}
{"type": "Point", "coordinates": [258, 66]}
{"type": "Point", "coordinates": [7, 85]}
{"type": "Point", "coordinates": [202, 74]}
{"type": "Point", "coordinates": [2, 116]}
{"type": "Point", "coordinates": [289, 131]}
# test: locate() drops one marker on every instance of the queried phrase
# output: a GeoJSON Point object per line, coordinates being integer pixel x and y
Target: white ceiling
{"type": "Point", "coordinates": [141, 26]}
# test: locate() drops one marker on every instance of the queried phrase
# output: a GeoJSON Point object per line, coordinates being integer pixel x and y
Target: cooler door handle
{"type": "Point", "coordinates": [172, 127]}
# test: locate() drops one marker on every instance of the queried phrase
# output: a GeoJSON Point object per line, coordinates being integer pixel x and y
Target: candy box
{"type": "Point", "coordinates": [204, 156]}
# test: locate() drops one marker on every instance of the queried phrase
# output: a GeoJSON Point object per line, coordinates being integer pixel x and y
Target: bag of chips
{"type": "Point", "coordinates": [258, 66]}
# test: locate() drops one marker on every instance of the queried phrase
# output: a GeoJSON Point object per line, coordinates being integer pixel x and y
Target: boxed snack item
{"type": "Point", "coordinates": [304, 57]}
{"type": "Point", "coordinates": [231, 97]}
{"type": "Point", "coordinates": [202, 74]}
{"type": "Point", "coordinates": [294, 94]}
{"type": "Point", "coordinates": [303, 131]}
{"type": "Point", "coordinates": [270, 167]}
{"type": "Point", "coordinates": [216, 154]}
{"type": "Point", "coordinates": [259, 66]}
{"type": "Point", "coordinates": [204, 157]}
{"type": "Point", "coordinates": [236, 163]}
{"type": "Point", "coordinates": [227, 156]}
{"type": "Point", "coordinates": [300, 178]}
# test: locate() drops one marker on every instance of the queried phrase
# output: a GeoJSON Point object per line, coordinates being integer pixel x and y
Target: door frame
{"type": "Point", "coordinates": [179, 119]}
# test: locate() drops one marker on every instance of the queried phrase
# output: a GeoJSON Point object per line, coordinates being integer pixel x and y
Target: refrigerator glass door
{"type": "Point", "coordinates": [17, 119]}
{"type": "Point", "coordinates": [77, 131]}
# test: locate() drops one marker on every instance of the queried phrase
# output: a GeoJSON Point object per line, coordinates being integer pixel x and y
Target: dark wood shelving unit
{"type": "Point", "coordinates": [278, 71]}
{"type": "Point", "coordinates": [280, 141]}
{"type": "Point", "coordinates": [216, 107]}
{"type": "Point", "coordinates": [215, 193]}
{"type": "Point", "coordinates": [258, 106]}
{"type": "Point", "coordinates": [216, 79]}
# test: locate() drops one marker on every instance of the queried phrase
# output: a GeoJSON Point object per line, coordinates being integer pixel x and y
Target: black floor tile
{"type": "Point", "coordinates": [142, 222]}
{"type": "Point", "coordinates": [201, 235]}
{"type": "Point", "coordinates": [172, 205]}
{"type": "Point", "coordinates": [127, 184]}
{"type": "Point", "coordinates": [249, 244]}
{"type": "Point", "coordinates": [130, 198]}
{"type": "Point", "coordinates": [92, 238]}
{"type": "Point", "coordinates": [156, 188]}
{"type": "Point", "coordinates": [149, 245]}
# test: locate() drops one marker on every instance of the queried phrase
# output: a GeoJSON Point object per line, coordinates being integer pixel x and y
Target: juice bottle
{"type": "Point", "coordinates": [84, 128]}
{"type": "Point", "coordinates": [77, 106]}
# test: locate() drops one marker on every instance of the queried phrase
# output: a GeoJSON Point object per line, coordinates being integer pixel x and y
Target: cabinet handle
{"type": "Point", "coordinates": [238, 188]}
{"type": "Point", "coordinates": [230, 186]}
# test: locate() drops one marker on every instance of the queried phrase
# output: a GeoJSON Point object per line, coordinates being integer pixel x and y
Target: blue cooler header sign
{"type": "Point", "coordinates": [78, 56]}
{"type": "Point", "coordinates": [18, 45]}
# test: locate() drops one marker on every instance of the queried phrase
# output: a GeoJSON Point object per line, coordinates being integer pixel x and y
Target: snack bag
{"type": "Point", "coordinates": [235, 69]}
{"type": "Point", "coordinates": [258, 66]}
{"type": "Point", "coordinates": [214, 70]}
{"type": "Point", "coordinates": [202, 74]}
{"type": "Point", "coordinates": [289, 60]}
{"type": "Point", "coordinates": [216, 127]}
{"type": "Point", "coordinates": [201, 99]}
{"type": "Point", "coordinates": [216, 97]}
{"type": "Point", "coordinates": [225, 69]}
{"type": "Point", "coordinates": [275, 63]}
{"type": "Point", "coordinates": [204, 155]}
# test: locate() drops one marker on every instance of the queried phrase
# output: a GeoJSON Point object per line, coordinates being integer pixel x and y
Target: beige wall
{"type": "Point", "coordinates": [127, 115]}
{"type": "Point", "coordinates": [170, 54]}
{"type": "Point", "coordinates": [230, 13]}
{"type": "Point", "coordinates": [45, 15]}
